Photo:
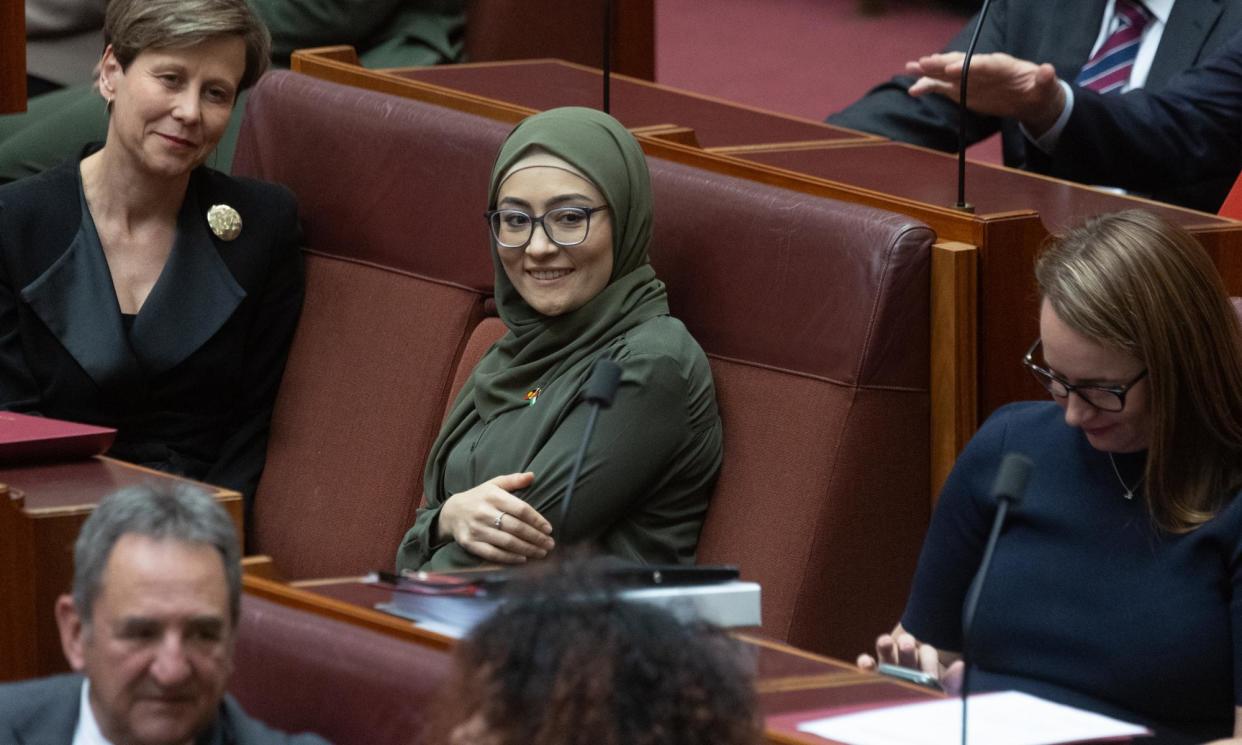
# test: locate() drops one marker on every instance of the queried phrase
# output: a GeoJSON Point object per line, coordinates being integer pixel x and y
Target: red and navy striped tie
{"type": "Point", "coordinates": [1109, 68]}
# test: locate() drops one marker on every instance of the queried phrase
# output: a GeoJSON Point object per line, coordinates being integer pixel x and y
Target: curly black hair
{"type": "Point", "coordinates": [567, 662]}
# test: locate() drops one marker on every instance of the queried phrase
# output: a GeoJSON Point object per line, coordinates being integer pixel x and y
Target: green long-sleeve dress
{"type": "Point", "coordinates": [646, 478]}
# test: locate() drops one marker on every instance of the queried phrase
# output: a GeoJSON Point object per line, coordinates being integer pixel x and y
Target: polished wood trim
{"type": "Point", "coordinates": [954, 354]}
{"type": "Point", "coordinates": [784, 147]}
{"type": "Point", "coordinates": [780, 738]}
{"type": "Point", "coordinates": [230, 499]}
{"type": "Point", "coordinates": [339, 610]}
{"type": "Point", "coordinates": [220, 492]}
{"type": "Point", "coordinates": [343, 53]}
{"type": "Point", "coordinates": [62, 511]}
{"type": "Point", "coordinates": [18, 630]}
{"type": "Point", "coordinates": [12, 56]}
{"type": "Point", "coordinates": [324, 582]}
{"type": "Point", "coordinates": [815, 682]}
{"type": "Point", "coordinates": [330, 68]}
{"type": "Point", "coordinates": [509, 64]}
{"type": "Point", "coordinates": [784, 648]}
{"type": "Point", "coordinates": [670, 132]}
{"type": "Point", "coordinates": [260, 565]}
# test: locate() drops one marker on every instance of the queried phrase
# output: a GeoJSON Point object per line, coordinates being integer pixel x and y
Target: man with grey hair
{"type": "Point", "coordinates": [149, 631]}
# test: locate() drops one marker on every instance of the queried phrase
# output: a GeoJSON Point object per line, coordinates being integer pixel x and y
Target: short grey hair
{"type": "Point", "coordinates": [180, 513]}
{"type": "Point", "coordinates": [132, 26]}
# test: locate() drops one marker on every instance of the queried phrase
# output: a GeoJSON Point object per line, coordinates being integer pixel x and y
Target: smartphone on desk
{"type": "Point", "coordinates": [910, 675]}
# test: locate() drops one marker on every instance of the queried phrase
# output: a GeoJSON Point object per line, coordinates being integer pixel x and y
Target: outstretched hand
{"type": "Point", "coordinates": [901, 648]}
{"type": "Point", "coordinates": [1000, 85]}
{"type": "Point", "coordinates": [491, 523]}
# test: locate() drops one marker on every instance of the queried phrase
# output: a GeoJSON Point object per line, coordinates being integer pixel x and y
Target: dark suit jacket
{"type": "Point", "coordinates": [1188, 138]}
{"type": "Point", "coordinates": [1060, 32]}
{"type": "Point", "coordinates": [190, 389]}
{"type": "Point", "coordinates": [45, 712]}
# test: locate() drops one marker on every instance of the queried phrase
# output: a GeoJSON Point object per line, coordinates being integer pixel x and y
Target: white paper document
{"type": "Point", "coordinates": [1008, 718]}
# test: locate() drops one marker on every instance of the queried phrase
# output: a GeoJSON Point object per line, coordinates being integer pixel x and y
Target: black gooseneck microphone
{"type": "Point", "coordinates": [607, 56]}
{"type": "Point", "coordinates": [600, 389]}
{"type": "Point", "coordinates": [962, 204]}
{"type": "Point", "coordinates": [1015, 471]}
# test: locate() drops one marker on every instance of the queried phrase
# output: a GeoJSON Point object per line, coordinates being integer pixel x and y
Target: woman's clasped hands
{"type": "Point", "coordinates": [901, 648]}
{"type": "Point", "coordinates": [491, 523]}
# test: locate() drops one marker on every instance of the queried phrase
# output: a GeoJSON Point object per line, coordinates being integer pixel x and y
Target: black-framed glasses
{"type": "Point", "coordinates": [564, 226]}
{"type": "Point", "coordinates": [1103, 397]}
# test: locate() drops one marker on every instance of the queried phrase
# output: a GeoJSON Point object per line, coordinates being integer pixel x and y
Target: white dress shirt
{"type": "Point", "coordinates": [1159, 10]}
{"type": "Point", "coordinates": [87, 732]}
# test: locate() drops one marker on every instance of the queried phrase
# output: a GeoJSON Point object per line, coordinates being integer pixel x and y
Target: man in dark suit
{"type": "Point", "coordinates": [1059, 32]}
{"type": "Point", "coordinates": [149, 631]}
{"type": "Point", "coordinates": [1186, 139]}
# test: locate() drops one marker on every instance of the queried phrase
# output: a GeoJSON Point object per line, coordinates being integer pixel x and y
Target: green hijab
{"type": "Point", "coordinates": [555, 353]}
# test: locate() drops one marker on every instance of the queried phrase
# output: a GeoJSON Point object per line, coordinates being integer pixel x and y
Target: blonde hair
{"type": "Point", "coordinates": [1133, 282]}
{"type": "Point", "coordinates": [132, 26]}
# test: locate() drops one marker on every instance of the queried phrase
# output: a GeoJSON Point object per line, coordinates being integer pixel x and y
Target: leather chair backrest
{"type": "Point", "coordinates": [299, 671]}
{"type": "Point", "coordinates": [397, 274]}
{"type": "Point", "coordinates": [815, 315]}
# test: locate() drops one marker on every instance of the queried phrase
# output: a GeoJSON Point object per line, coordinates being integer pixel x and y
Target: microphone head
{"type": "Point", "coordinates": [1015, 470]}
{"type": "Point", "coordinates": [601, 387]}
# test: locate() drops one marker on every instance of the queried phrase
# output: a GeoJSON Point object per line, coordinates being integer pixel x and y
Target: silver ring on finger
{"type": "Point", "coordinates": [496, 522]}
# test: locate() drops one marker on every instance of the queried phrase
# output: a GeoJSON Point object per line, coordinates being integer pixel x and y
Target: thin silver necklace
{"type": "Point", "coordinates": [1129, 489]}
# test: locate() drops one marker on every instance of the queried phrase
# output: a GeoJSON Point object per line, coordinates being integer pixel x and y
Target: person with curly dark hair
{"type": "Point", "coordinates": [566, 662]}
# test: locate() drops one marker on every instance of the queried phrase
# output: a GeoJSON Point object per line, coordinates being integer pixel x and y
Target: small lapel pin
{"type": "Point", "coordinates": [533, 395]}
{"type": "Point", "coordinates": [224, 221]}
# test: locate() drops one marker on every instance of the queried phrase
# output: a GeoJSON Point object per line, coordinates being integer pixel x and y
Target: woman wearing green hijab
{"type": "Point", "coordinates": [570, 216]}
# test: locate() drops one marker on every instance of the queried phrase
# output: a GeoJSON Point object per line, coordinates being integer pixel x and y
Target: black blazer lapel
{"type": "Point", "coordinates": [194, 296]}
{"type": "Point", "coordinates": [1190, 23]}
{"type": "Point", "coordinates": [75, 300]}
{"type": "Point", "coordinates": [1079, 27]}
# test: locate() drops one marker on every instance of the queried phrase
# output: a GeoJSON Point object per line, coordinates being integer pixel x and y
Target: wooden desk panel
{"type": "Point", "coordinates": [930, 177]}
{"type": "Point", "coordinates": [12, 56]}
{"type": "Point", "coordinates": [537, 85]}
{"type": "Point", "coordinates": [520, 29]}
{"type": "Point", "coordinates": [42, 508]}
{"type": "Point", "coordinates": [788, 679]}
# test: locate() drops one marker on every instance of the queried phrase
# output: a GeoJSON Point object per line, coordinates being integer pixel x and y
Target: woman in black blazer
{"type": "Point", "coordinates": [139, 289]}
